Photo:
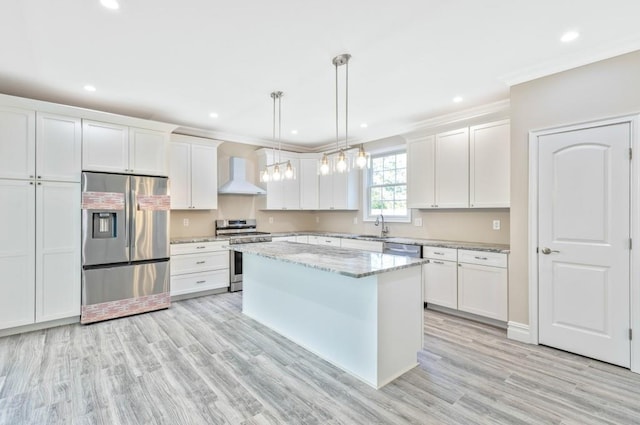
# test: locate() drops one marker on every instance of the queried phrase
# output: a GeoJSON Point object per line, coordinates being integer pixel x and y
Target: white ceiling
{"type": "Point", "coordinates": [177, 61]}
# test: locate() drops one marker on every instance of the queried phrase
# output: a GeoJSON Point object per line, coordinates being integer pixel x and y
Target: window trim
{"type": "Point", "coordinates": [366, 200]}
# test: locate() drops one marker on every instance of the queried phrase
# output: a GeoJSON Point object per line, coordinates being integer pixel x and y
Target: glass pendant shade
{"type": "Point", "coordinates": [264, 175]}
{"type": "Point", "coordinates": [276, 173]}
{"type": "Point", "coordinates": [361, 159]}
{"type": "Point", "coordinates": [341, 163]}
{"type": "Point", "coordinates": [324, 166]}
{"type": "Point", "coordinates": [288, 172]}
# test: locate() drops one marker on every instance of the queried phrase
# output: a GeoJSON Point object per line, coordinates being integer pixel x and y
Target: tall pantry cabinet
{"type": "Point", "coordinates": [40, 168]}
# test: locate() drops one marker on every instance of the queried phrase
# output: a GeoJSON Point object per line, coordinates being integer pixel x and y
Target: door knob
{"type": "Point", "coordinates": [547, 251]}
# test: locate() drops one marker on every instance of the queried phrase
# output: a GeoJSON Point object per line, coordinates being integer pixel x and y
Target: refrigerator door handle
{"type": "Point", "coordinates": [132, 219]}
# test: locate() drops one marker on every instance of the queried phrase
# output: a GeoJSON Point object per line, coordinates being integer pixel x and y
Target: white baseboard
{"type": "Point", "coordinates": [518, 332]}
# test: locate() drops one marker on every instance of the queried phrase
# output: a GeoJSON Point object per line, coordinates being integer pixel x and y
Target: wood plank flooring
{"type": "Point", "coordinates": [203, 362]}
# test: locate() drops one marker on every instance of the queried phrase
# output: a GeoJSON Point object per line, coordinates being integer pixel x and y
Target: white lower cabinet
{"type": "Point", "coordinates": [39, 252]}
{"type": "Point", "coordinates": [302, 238]}
{"type": "Point", "coordinates": [197, 267]}
{"type": "Point", "coordinates": [326, 240]}
{"type": "Point", "coordinates": [284, 238]}
{"type": "Point", "coordinates": [482, 284]}
{"type": "Point", "coordinates": [440, 276]}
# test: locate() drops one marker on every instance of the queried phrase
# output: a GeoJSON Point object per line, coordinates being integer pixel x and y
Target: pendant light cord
{"type": "Point", "coordinates": [346, 107]}
{"type": "Point", "coordinates": [337, 116]}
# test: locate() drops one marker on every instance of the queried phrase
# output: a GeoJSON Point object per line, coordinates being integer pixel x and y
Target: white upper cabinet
{"type": "Point", "coordinates": [308, 175]}
{"type": "Point", "coordinates": [421, 173]}
{"type": "Point", "coordinates": [489, 165]}
{"type": "Point", "coordinates": [339, 191]}
{"type": "Point", "coordinates": [17, 143]}
{"type": "Point", "coordinates": [105, 147]}
{"type": "Point", "coordinates": [452, 169]}
{"type": "Point", "coordinates": [148, 151]}
{"type": "Point", "coordinates": [438, 170]}
{"type": "Point", "coordinates": [193, 173]}
{"type": "Point", "coordinates": [58, 147]}
{"type": "Point", "coordinates": [121, 149]}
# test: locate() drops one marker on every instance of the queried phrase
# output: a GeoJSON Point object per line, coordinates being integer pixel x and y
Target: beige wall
{"type": "Point", "coordinates": [600, 90]}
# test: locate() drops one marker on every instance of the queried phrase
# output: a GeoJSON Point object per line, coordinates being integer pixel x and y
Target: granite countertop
{"type": "Point", "coordinates": [196, 239]}
{"type": "Point", "coordinates": [475, 246]}
{"type": "Point", "coordinates": [347, 262]}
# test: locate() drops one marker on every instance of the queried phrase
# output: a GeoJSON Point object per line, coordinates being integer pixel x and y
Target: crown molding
{"type": "Point", "coordinates": [570, 62]}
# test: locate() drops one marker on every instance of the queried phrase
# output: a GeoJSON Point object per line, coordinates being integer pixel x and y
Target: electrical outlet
{"type": "Point", "coordinates": [270, 220]}
{"type": "Point", "coordinates": [417, 222]}
{"type": "Point", "coordinates": [317, 219]}
{"type": "Point", "coordinates": [355, 220]}
{"type": "Point", "coordinates": [496, 224]}
{"type": "Point", "coordinates": [185, 222]}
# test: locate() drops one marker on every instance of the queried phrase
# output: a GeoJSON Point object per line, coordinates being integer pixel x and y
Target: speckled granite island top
{"type": "Point", "coordinates": [347, 262]}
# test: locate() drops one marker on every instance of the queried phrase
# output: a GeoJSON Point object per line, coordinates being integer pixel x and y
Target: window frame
{"type": "Point", "coordinates": [367, 184]}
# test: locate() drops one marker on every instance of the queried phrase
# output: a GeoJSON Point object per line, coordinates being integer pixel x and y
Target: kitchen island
{"type": "Point", "coordinates": [362, 311]}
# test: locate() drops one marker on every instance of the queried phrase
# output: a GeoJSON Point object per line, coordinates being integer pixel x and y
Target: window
{"type": "Point", "coordinates": [387, 186]}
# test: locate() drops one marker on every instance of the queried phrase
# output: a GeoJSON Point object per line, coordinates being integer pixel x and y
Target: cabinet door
{"type": "Point", "coordinates": [345, 190]}
{"type": "Point", "coordinates": [17, 253]}
{"type": "Point", "coordinates": [148, 152]}
{"type": "Point", "coordinates": [452, 169]}
{"type": "Point", "coordinates": [59, 147]}
{"type": "Point", "coordinates": [275, 195]}
{"type": "Point", "coordinates": [325, 192]}
{"type": "Point", "coordinates": [180, 175]}
{"type": "Point", "coordinates": [421, 157]}
{"type": "Point", "coordinates": [489, 165]}
{"type": "Point", "coordinates": [440, 280]}
{"type": "Point", "coordinates": [57, 250]}
{"type": "Point", "coordinates": [105, 147]}
{"type": "Point", "coordinates": [308, 175]}
{"type": "Point", "coordinates": [17, 143]}
{"type": "Point", "coordinates": [204, 177]}
{"type": "Point", "coordinates": [482, 290]}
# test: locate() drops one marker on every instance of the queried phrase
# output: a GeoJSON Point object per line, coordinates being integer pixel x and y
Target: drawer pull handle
{"type": "Point", "coordinates": [437, 262]}
{"type": "Point", "coordinates": [481, 258]}
{"type": "Point", "coordinates": [201, 281]}
{"type": "Point", "coordinates": [200, 247]}
{"type": "Point", "coordinates": [200, 262]}
{"type": "Point", "coordinates": [438, 253]}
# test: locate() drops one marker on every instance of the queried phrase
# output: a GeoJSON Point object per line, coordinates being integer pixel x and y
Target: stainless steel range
{"type": "Point", "coordinates": [239, 231]}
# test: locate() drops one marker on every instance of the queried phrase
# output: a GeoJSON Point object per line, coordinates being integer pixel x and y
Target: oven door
{"type": "Point", "coordinates": [235, 270]}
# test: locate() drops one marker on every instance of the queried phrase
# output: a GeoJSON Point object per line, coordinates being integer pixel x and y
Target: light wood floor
{"type": "Point", "coordinates": [202, 362]}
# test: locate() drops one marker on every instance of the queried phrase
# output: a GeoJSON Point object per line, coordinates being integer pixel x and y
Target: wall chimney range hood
{"type": "Point", "coordinates": [238, 184]}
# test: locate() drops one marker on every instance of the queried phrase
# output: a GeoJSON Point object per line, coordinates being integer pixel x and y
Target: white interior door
{"type": "Point", "coordinates": [584, 252]}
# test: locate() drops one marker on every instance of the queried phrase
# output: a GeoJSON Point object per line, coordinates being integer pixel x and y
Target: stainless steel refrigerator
{"type": "Point", "coordinates": [125, 245]}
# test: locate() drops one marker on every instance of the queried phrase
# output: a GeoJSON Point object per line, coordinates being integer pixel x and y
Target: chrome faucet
{"type": "Point", "coordinates": [385, 229]}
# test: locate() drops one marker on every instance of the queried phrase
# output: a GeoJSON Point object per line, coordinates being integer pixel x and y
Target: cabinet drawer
{"type": "Point", "coordinates": [196, 282]}
{"type": "Point", "coordinates": [326, 240]}
{"type": "Point", "coordinates": [493, 259]}
{"type": "Point", "coordinates": [192, 263]}
{"type": "Point", "coordinates": [447, 254]}
{"type": "Point", "coordinates": [198, 247]}
{"type": "Point", "coordinates": [302, 239]}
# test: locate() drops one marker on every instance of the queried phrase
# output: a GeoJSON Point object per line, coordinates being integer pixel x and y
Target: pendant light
{"type": "Point", "coordinates": [272, 172]}
{"type": "Point", "coordinates": [341, 162]}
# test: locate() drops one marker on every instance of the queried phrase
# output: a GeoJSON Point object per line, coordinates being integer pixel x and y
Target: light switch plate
{"type": "Point", "coordinates": [317, 219]}
{"type": "Point", "coordinates": [185, 222]}
{"type": "Point", "coordinates": [496, 224]}
{"type": "Point", "coordinates": [355, 220]}
{"type": "Point", "coordinates": [270, 220]}
{"type": "Point", "coordinates": [417, 222]}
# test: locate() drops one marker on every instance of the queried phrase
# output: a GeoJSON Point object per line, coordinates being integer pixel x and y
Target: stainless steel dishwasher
{"type": "Point", "coordinates": [406, 250]}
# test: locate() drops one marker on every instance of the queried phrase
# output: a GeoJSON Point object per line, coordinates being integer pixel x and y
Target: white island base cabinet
{"type": "Point", "coordinates": [371, 327]}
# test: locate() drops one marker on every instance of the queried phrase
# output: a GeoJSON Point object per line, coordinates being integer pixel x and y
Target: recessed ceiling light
{"type": "Point", "coordinates": [213, 115]}
{"type": "Point", "coordinates": [364, 125]}
{"type": "Point", "coordinates": [294, 131]}
{"type": "Point", "coordinates": [457, 99]}
{"type": "Point", "coordinates": [89, 87]}
{"type": "Point", "coordinates": [569, 36]}
{"type": "Point", "coordinates": [110, 4]}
